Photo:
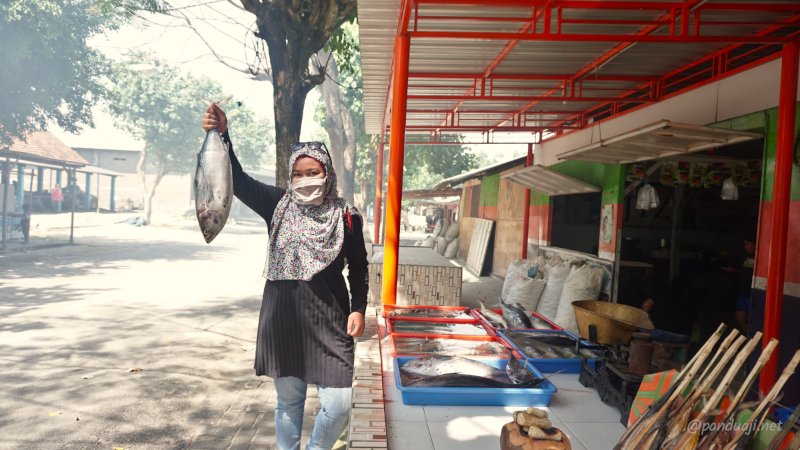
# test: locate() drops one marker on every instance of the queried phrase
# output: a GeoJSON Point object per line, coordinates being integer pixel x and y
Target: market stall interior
{"type": "Point", "coordinates": [686, 246]}
{"type": "Point", "coordinates": [659, 139]}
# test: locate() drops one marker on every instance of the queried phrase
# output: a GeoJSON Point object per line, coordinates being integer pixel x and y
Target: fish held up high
{"type": "Point", "coordinates": [213, 185]}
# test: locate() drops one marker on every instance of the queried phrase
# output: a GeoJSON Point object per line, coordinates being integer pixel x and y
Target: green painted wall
{"type": "Point", "coordinates": [490, 187]}
{"type": "Point", "coordinates": [770, 150]}
{"type": "Point", "coordinates": [608, 177]}
{"type": "Point", "coordinates": [766, 122]}
{"type": "Point", "coordinates": [538, 198]}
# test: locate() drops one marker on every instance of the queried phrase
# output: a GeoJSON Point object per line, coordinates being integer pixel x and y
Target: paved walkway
{"type": "Point", "coordinates": [135, 337]}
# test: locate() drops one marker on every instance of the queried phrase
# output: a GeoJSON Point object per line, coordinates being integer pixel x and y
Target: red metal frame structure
{"type": "Point", "coordinates": [526, 219]}
{"type": "Point", "coordinates": [543, 68]}
{"type": "Point", "coordinates": [780, 212]}
{"type": "Point", "coordinates": [391, 246]}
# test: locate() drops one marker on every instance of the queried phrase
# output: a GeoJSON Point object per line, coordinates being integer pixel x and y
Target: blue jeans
{"type": "Point", "coordinates": [331, 419]}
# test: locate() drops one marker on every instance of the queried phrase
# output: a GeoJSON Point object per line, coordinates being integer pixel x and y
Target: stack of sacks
{"type": "Point", "coordinates": [428, 242]}
{"type": "Point", "coordinates": [523, 284]}
{"type": "Point", "coordinates": [449, 241]}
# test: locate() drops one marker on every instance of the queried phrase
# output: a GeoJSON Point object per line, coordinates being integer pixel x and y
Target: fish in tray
{"type": "Point", "coordinates": [403, 326]}
{"type": "Point", "coordinates": [515, 315]}
{"type": "Point", "coordinates": [213, 185]}
{"type": "Point", "coordinates": [551, 345]}
{"type": "Point", "coordinates": [455, 371]}
{"type": "Point", "coordinates": [430, 312]}
{"type": "Point", "coordinates": [496, 319]}
{"type": "Point", "coordinates": [454, 347]}
{"type": "Point", "coordinates": [540, 324]}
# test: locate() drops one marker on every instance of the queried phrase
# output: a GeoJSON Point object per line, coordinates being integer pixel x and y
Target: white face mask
{"type": "Point", "coordinates": [309, 191]}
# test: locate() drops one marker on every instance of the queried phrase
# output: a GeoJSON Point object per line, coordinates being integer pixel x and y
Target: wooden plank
{"type": "Point", "coordinates": [479, 244]}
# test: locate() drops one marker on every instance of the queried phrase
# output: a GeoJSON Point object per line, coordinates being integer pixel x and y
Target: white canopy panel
{"type": "Point", "coordinates": [662, 139]}
{"type": "Point", "coordinates": [542, 179]}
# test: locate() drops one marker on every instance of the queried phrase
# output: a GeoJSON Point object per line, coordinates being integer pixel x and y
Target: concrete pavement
{"type": "Point", "coordinates": [133, 337]}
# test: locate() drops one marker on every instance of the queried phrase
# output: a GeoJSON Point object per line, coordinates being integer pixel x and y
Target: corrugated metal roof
{"type": "Point", "coordinates": [377, 21]}
{"type": "Point", "coordinates": [477, 173]}
{"type": "Point", "coordinates": [461, 80]}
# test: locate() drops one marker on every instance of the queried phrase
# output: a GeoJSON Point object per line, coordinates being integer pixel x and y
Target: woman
{"type": "Point", "coordinates": [307, 321]}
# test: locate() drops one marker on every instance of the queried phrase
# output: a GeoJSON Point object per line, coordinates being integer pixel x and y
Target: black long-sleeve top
{"type": "Point", "coordinates": [302, 325]}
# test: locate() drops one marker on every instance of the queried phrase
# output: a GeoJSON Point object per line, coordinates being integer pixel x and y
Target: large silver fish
{"type": "Point", "coordinates": [496, 319]}
{"type": "Point", "coordinates": [441, 370]}
{"type": "Point", "coordinates": [515, 315]}
{"type": "Point", "coordinates": [213, 185]}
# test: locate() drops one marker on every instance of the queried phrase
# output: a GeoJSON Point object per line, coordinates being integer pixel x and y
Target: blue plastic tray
{"type": "Point", "coordinates": [462, 396]}
{"type": "Point", "coordinates": [550, 365]}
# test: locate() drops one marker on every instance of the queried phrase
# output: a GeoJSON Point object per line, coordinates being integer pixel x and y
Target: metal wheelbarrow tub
{"type": "Point", "coordinates": [613, 322]}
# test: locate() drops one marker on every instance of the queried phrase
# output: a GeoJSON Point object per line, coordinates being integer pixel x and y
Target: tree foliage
{"type": "Point", "coordinates": [424, 165]}
{"type": "Point", "coordinates": [161, 106]}
{"type": "Point", "coordinates": [49, 74]}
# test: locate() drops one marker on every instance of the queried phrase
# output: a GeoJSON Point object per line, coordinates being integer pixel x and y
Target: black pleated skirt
{"type": "Point", "coordinates": [302, 330]}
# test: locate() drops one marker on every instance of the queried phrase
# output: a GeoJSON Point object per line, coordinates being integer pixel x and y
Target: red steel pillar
{"type": "Point", "coordinates": [394, 190]}
{"type": "Point", "coordinates": [526, 220]}
{"type": "Point", "coordinates": [776, 271]}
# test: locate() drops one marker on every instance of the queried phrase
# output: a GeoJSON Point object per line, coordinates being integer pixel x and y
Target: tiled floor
{"type": "Point", "coordinates": [575, 410]}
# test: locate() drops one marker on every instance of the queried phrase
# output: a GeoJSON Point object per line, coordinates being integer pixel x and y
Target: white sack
{"type": "Point", "coordinates": [551, 296]}
{"type": "Point", "coordinates": [583, 283]}
{"type": "Point", "coordinates": [520, 266]}
{"type": "Point", "coordinates": [452, 231]}
{"type": "Point", "coordinates": [523, 290]}
{"type": "Point", "coordinates": [452, 249]}
{"type": "Point", "coordinates": [441, 245]}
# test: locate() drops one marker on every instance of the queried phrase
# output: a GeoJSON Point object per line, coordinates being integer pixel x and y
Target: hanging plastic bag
{"type": "Point", "coordinates": [647, 198]}
{"type": "Point", "coordinates": [729, 190]}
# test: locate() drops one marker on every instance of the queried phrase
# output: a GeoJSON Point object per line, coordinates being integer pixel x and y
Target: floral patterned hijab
{"type": "Point", "coordinates": [305, 239]}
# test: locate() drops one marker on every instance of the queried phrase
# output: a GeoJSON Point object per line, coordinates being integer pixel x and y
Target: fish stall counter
{"type": "Point", "coordinates": [423, 277]}
{"type": "Point", "coordinates": [459, 391]}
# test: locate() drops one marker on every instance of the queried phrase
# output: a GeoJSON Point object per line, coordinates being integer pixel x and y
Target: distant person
{"type": "Point", "coordinates": [56, 198]}
{"type": "Point", "coordinates": [744, 281]}
{"type": "Point", "coordinates": [25, 223]}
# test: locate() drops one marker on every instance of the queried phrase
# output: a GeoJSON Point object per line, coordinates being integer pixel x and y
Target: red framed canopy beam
{"type": "Point", "coordinates": [606, 57]}
{"type": "Point", "coordinates": [524, 98]}
{"type": "Point", "coordinates": [710, 68]}
{"type": "Point", "coordinates": [478, 128]}
{"type": "Point", "coordinates": [490, 68]}
{"type": "Point", "coordinates": [525, 77]}
{"type": "Point", "coordinates": [570, 37]}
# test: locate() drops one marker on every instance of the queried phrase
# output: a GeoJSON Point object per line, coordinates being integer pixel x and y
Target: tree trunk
{"type": "Point", "coordinates": [294, 31]}
{"type": "Point", "coordinates": [340, 128]}
{"type": "Point", "coordinates": [290, 100]}
{"type": "Point", "coordinates": [143, 181]}
{"type": "Point", "coordinates": [148, 210]}
{"type": "Point", "coordinates": [289, 54]}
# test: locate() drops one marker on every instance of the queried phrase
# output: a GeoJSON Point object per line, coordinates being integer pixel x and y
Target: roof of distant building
{"type": "Point", "coordinates": [42, 146]}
